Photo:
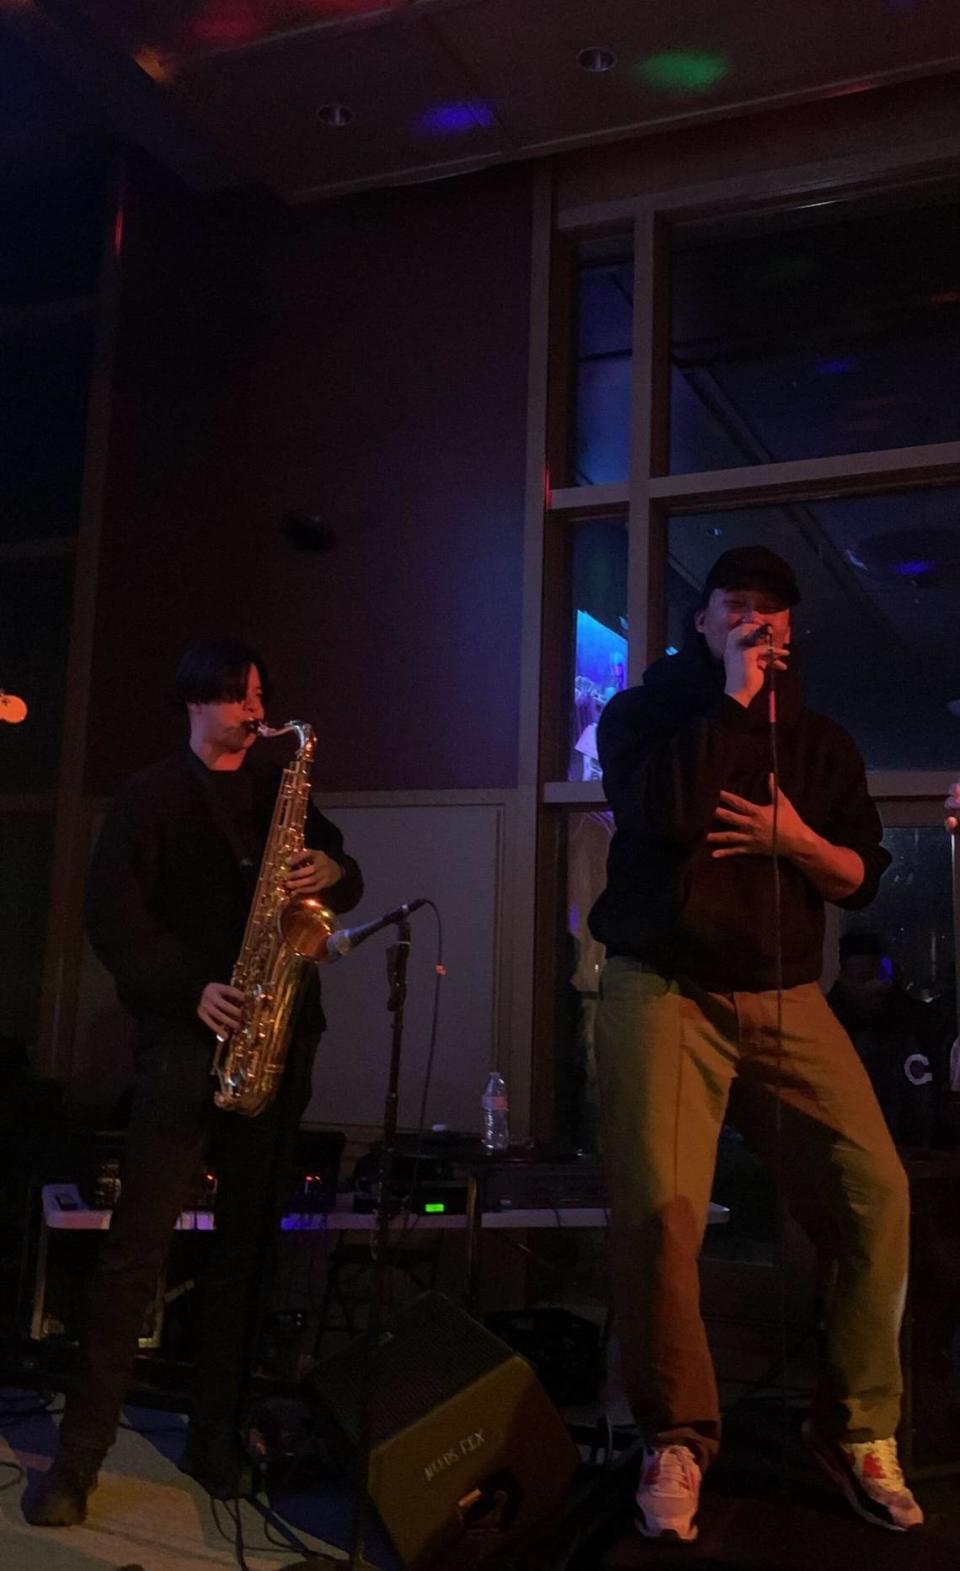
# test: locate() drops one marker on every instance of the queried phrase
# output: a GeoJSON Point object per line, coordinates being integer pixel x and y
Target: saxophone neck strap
{"type": "Point", "coordinates": [240, 845]}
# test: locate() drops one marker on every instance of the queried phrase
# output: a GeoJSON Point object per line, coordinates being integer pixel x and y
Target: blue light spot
{"type": "Point", "coordinates": [671, 649]}
{"type": "Point", "coordinates": [837, 365]}
{"type": "Point", "coordinates": [456, 119]}
{"type": "Point", "coordinates": [854, 559]}
{"type": "Point", "coordinates": [914, 569]}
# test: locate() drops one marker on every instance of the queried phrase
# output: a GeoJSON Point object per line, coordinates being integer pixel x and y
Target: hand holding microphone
{"type": "Point", "coordinates": [750, 648]}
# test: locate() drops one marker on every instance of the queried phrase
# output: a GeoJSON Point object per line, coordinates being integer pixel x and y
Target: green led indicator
{"type": "Point", "coordinates": [684, 70]}
{"type": "Point", "coordinates": [434, 1208]}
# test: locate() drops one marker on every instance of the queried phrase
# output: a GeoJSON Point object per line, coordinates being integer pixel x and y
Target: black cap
{"type": "Point", "coordinates": [753, 567]}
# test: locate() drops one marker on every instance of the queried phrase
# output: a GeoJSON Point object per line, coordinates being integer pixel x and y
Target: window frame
{"type": "Point", "coordinates": [651, 495]}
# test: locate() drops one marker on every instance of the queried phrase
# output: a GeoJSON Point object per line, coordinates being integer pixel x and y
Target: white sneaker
{"type": "Point", "coordinates": [668, 1495]}
{"type": "Point", "coordinates": [868, 1473]}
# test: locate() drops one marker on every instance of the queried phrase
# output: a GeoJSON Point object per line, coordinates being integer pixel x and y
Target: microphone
{"type": "Point", "coordinates": [347, 938]}
{"type": "Point", "coordinates": [760, 635]}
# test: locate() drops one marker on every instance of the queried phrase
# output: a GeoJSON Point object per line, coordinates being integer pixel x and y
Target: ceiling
{"type": "Point", "coordinates": [233, 91]}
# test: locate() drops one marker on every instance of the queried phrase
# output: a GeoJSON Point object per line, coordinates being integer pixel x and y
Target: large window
{"type": "Point", "coordinates": [35, 600]}
{"type": "Point", "coordinates": [50, 246]}
{"type": "Point", "coordinates": [25, 847]}
{"type": "Point", "coordinates": [604, 336]}
{"type": "Point", "coordinates": [814, 332]}
{"type": "Point", "coordinates": [788, 377]}
{"type": "Point", "coordinates": [913, 917]}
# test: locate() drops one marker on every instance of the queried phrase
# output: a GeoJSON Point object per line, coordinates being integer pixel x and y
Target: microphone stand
{"type": "Point", "coordinates": [397, 956]}
{"type": "Point", "coordinates": [773, 730]}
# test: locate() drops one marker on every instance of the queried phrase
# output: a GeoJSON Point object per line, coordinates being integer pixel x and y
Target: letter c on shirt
{"type": "Point", "coordinates": [917, 1069]}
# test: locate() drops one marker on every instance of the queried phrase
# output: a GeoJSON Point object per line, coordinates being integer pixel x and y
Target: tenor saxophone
{"type": "Point", "coordinates": [284, 933]}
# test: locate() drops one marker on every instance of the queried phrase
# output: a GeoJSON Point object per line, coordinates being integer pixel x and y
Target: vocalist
{"type": "Point", "coordinates": [689, 1004]}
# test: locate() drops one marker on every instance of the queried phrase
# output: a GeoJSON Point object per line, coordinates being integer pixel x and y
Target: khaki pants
{"type": "Point", "coordinates": [667, 1053]}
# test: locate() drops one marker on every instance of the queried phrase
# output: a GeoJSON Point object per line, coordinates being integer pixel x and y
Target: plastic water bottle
{"type": "Point", "coordinates": [496, 1115]}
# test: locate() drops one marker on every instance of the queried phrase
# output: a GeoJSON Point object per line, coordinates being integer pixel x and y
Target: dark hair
{"type": "Point", "coordinates": [209, 673]}
{"type": "Point", "coordinates": [862, 941]}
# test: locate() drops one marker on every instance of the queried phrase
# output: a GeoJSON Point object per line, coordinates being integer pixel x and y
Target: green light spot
{"type": "Point", "coordinates": [684, 70]}
{"type": "Point", "coordinates": [434, 1208]}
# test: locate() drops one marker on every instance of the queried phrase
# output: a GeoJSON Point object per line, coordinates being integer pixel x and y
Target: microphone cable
{"type": "Point", "coordinates": [411, 1217]}
{"type": "Point", "coordinates": [779, 1182]}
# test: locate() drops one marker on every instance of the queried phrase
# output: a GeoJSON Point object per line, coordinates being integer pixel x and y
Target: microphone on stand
{"type": "Point", "coordinates": [347, 938]}
{"type": "Point", "coordinates": [766, 633]}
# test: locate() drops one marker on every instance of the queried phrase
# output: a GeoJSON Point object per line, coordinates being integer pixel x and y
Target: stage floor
{"type": "Point", "coordinates": [145, 1513]}
{"type": "Point", "coordinates": [755, 1516]}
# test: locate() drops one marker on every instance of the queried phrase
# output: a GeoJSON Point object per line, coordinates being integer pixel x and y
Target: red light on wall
{"type": "Point", "coordinates": [118, 221]}
{"type": "Point", "coordinates": [226, 22]}
{"type": "Point", "coordinates": [945, 297]}
{"type": "Point", "coordinates": [223, 23]}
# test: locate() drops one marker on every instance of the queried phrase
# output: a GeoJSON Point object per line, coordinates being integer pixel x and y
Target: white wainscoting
{"type": "Point", "coordinates": [452, 854]}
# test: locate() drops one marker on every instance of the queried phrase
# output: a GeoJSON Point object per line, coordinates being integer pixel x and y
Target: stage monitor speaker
{"type": "Point", "coordinates": [463, 1439]}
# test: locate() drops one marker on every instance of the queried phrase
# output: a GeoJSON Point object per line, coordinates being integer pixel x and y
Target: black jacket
{"type": "Point", "coordinates": [667, 750]}
{"type": "Point", "coordinates": [167, 897]}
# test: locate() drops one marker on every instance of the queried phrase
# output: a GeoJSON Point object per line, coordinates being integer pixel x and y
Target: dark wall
{"type": "Point", "coordinates": [364, 362]}
{"type": "Point", "coordinates": [175, 548]}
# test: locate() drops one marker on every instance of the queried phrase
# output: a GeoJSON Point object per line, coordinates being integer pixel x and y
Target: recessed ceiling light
{"type": "Point", "coordinates": [596, 60]}
{"type": "Point", "coordinates": [335, 114]}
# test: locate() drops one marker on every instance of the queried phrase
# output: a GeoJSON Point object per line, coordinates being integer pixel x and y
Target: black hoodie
{"type": "Point", "coordinates": [667, 750]}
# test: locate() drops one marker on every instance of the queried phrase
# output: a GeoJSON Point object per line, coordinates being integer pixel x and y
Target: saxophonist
{"type": "Point", "coordinates": [169, 889]}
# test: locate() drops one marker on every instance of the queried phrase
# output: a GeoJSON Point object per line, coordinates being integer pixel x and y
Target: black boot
{"type": "Point", "coordinates": [59, 1497]}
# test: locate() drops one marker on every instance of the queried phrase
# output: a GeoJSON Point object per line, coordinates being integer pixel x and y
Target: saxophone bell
{"type": "Point", "coordinates": [306, 924]}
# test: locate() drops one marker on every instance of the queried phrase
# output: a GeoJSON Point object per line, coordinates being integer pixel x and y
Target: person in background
{"type": "Point", "coordinates": [896, 1035]}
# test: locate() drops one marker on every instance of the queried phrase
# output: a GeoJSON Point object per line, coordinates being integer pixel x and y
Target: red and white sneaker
{"type": "Point", "coordinates": [668, 1495]}
{"type": "Point", "coordinates": [868, 1473]}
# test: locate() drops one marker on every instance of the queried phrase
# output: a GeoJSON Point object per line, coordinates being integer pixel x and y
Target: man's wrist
{"type": "Point", "coordinates": [802, 845]}
{"type": "Point", "coordinates": [742, 695]}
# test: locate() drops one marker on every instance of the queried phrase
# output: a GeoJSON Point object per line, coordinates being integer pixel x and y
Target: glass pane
{"type": "Point", "coordinates": [876, 626]}
{"type": "Point", "coordinates": [602, 393]}
{"type": "Point", "coordinates": [599, 633]}
{"type": "Point", "coordinates": [810, 335]}
{"type": "Point", "coordinates": [35, 607]}
{"type": "Point", "coordinates": [896, 988]}
{"type": "Point", "coordinates": [914, 913]}
{"type": "Point", "coordinates": [43, 411]}
{"type": "Point", "coordinates": [25, 849]}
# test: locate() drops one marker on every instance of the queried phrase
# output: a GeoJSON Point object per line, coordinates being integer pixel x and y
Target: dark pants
{"type": "Point", "coordinates": [173, 1127]}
